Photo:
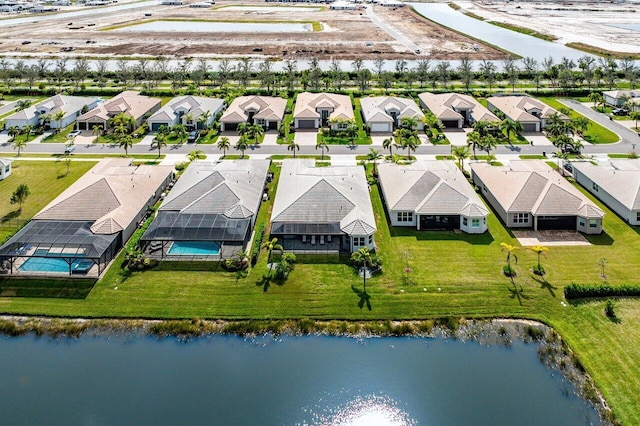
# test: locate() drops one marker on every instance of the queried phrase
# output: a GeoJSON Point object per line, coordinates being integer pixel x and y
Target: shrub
{"type": "Point", "coordinates": [181, 166]}
{"type": "Point", "coordinates": [610, 309]}
{"type": "Point", "coordinates": [538, 271]}
{"type": "Point", "coordinates": [578, 291]}
{"type": "Point", "coordinates": [508, 271]}
{"type": "Point", "coordinates": [257, 243]}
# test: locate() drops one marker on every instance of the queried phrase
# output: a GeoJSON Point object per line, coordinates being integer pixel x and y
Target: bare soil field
{"type": "Point", "coordinates": [344, 34]}
{"type": "Point", "coordinates": [612, 26]}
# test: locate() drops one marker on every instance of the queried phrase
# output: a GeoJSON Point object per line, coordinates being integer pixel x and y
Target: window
{"type": "Point", "coordinates": [595, 186]}
{"type": "Point", "coordinates": [581, 221]}
{"type": "Point", "coordinates": [342, 126]}
{"type": "Point", "coordinates": [464, 221]}
{"type": "Point", "coordinates": [593, 223]}
{"type": "Point", "coordinates": [405, 216]}
{"type": "Point", "coordinates": [521, 218]}
{"type": "Point", "coordinates": [484, 220]}
{"type": "Point", "coordinates": [637, 213]}
{"type": "Point", "coordinates": [358, 241]}
{"type": "Point", "coordinates": [289, 228]}
{"type": "Point", "coordinates": [7, 169]}
{"type": "Point", "coordinates": [370, 239]}
{"type": "Point", "coordinates": [475, 223]}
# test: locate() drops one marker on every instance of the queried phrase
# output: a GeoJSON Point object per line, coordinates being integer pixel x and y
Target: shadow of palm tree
{"type": "Point", "coordinates": [265, 283]}
{"type": "Point", "coordinates": [11, 215]}
{"type": "Point", "coordinates": [364, 298]}
{"type": "Point", "coordinates": [544, 284]}
{"type": "Point", "coordinates": [517, 292]}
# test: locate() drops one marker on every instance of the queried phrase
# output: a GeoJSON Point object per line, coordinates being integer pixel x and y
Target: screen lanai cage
{"type": "Point", "coordinates": [50, 247]}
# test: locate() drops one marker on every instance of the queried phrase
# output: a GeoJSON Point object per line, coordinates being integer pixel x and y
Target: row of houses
{"type": "Point", "coordinates": [617, 98]}
{"type": "Point", "coordinates": [382, 114]}
{"type": "Point", "coordinates": [210, 212]}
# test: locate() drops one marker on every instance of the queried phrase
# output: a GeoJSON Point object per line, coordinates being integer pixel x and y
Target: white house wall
{"type": "Point", "coordinates": [606, 198]}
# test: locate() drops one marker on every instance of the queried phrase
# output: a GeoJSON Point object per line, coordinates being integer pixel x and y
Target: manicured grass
{"type": "Point", "coordinates": [87, 156]}
{"type": "Point", "coordinates": [277, 157]}
{"type": "Point", "coordinates": [450, 274]}
{"type": "Point", "coordinates": [60, 137]}
{"type": "Point", "coordinates": [234, 157]}
{"type": "Point", "coordinates": [527, 31]}
{"type": "Point", "coordinates": [532, 157]}
{"type": "Point", "coordinates": [596, 133]}
{"type": "Point", "coordinates": [45, 179]}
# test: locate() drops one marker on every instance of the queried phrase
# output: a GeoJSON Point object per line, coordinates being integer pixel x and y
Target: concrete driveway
{"type": "Point", "coordinates": [378, 138]}
{"type": "Point", "coordinates": [537, 138]}
{"type": "Point", "coordinates": [270, 138]}
{"type": "Point", "coordinates": [457, 137]}
{"type": "Point", "coordinates": [306, 138]}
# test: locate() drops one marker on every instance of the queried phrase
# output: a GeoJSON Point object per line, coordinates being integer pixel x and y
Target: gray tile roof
{"type": "Point", "coordinates": [229, 188]}
{"type": "Point", "coordinates": [532, 186]}
{"type": "Point", "coordinates": [195, 105]}
{"type": "Point", "coordinates": [67, 104]}
{"type": "Point", "coordinates": [444, 105]}
{"type": "Point", "coordinates": [429, 187]}
{"type": "Point", "coordinates": [375, 108]}
{"type": "Point", "coordinates": [620, 178]}
{"type": "Point", "coordinates": [312, 195]}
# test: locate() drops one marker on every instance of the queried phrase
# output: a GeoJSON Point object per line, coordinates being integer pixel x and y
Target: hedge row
{"type": "Point", "coordinates": [579, 291]}
{"type": "Point", "coordinates": [257, 243]}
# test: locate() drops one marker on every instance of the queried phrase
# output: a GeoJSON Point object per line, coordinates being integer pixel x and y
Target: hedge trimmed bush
{"type": "Point", "coordinates": [579, 291]}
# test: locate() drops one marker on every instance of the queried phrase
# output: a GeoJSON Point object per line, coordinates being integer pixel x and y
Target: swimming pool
{"type": "Point", "coordinates": [194, 248]}
{"type": "Point", "coordinates": [45, 264]}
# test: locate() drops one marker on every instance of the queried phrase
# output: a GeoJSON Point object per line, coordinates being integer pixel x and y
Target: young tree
{"type": "Point", "coordinates": [323, 146]}
{"type": "Point", "coordinates": [58, 117]}
{"type": "Point", "coordinates": [363, 259]}
{"type": "Point", "coordinates": [13, 132]}
{"type": "Point", "coordinates": [510, 249]}
{"type": "Point", "coordinates": [510, 126]}
{"type": "Point", "coordinates": [20, 195]}
{"type": "Point", "coordinates": [270, 246]}
{"type": "Point", "coordinates": [460, 153]}
{"type": "Point", "coordinates": [635, 115]}
{"type": "Point", "coordinates": [19, 144]}
{"type": "Point", "coordinates": [27, 131]}
{"type": "Point", "coordinates": [223, 145]}
{"type": "Point", "coordinates": [293, 146]}
{"type": "Point", "coordinates": [96, 130]}
{"type": "Point", "coordinates": [159, 142]}
{"type": "Point", "coordinates": [204, 119]}
{"type": "Point", "coordinates": [180, 131]}
{"type": "Point", "coordinates": [125, 141]}
{"type": "Point", "coordinates": [474, 140]}
{"type": "Point", "coordinates": [388, 144]}
{"type": "Point", "coordinates": [410, 144]}
{"type": "Point", "coordinates": [373, 156]}
{"type": "Point", "coordinates": [242, 145]}
{"type": "Point", "coordinates": [540, 251]}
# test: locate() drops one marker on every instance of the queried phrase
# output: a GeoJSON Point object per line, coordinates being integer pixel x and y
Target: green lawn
{"type": "Point", "coordinates": [60, 137]}
{"type": "Point", "coordinates": [45, 179]}
{"type": "Point", "coordinates": [451, 274]}
{"type": "Point", "coordinates": [595, 133]}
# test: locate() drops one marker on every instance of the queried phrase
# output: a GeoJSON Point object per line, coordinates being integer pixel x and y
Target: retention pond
{"type": "Point", "coordinates": [228, 380]}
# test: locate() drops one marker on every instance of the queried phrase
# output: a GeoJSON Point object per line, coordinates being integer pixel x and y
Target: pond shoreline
{"type": "Point", "coordinates": [552, 351]}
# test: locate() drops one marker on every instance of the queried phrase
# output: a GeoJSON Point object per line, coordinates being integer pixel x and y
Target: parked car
{"type": "Point", "coordinates": [73, 134]}
{"type": "Point", "coordinates": [68, 149]}
{"type": "Point", "coordinates": [193, 136]}
{"type": "Point", "coordinates": [619, 111]}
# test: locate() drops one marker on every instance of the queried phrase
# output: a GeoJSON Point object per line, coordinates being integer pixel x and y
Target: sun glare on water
{"type": "Point", "coordinates": [366, 411]}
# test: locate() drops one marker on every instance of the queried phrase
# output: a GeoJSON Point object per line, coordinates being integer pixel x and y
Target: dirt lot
{"type": "Point", "coordinates": [345, 34]}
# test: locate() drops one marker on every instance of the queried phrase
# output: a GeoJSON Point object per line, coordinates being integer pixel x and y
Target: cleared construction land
{"type": "Point", "coordinates": [228, 29]}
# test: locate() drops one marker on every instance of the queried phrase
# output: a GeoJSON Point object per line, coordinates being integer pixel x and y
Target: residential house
{"type": "Point", "coordinates": [455, 109]}
{"type": "Point", "coordinates": [210, 212]}
{"type": "Point", "coordinates": [322, 208]}
{"type": "Point", "coordinates": [385, 113]}
{"type": "Point", "coordinates": [267, 111]}
{"type": "Point", "coordinates": [431, 195]}
{"type": "Point", "coordinates": [531, 113]}
{"type": "Point", "coordinates": [186, 110]}
{"type": "Point", "coordinates": [315, 110]}
{"type": "Point", "coordinates": [83, 229]}
{"type": "Point", "coordinates": [616, 183]}
{"type": "Point", "coordinates": [530, 194]}
{"type": "Point", "coordinates": [5, 168]}
{"type": "Point", "coordinates": [71, 108]}
{"type": "Point", "coordinates": [128, 102]}
{"type": "Point", "coordinates": [617, 98]}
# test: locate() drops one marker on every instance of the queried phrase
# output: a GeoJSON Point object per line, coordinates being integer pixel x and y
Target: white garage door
{"type": "Point", "coordinates": [381, 127]}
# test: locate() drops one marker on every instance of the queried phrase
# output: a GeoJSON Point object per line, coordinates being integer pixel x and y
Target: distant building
{"type": "Point", "coordinates": [5, 168]}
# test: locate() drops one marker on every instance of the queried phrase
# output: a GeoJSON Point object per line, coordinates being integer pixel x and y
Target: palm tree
{"type": "Point", "coordinates": [635, 115]}
{"type": "Point", "coordinates": [475, 141]}
{"type": "Point", "coordinates": [362, 259]}
{"type": "Point", "coordinates": [180, 131]}
{"type": "Point", "coordinates": [556, 126]}
{"type": "Point", "coordinates": [187, 119]}
{"type": "Point", "coordinates": [510, 253]}
{"type": "Point", "coordinates": [58, 117]}
{"type": "Point", "coordinates": [27, 130]}
{"type": "Point", "coordinates": [483, 128]}
{"type": "Point", "coordinates": [243, 128]}
{"type": "Point", "coordinates": [293, 146]}
{"type": "Point", "coordinates": [374, 155]}
{"type": "Point", "coordinates": [125, 120]}
{"type": "Point", "coordinates": [204, 119]}
{"type": "Point", "coordinates": [242, 145]}
{"type": "Point", "coordinates": [388, 144]}
{"type": "Point", "coordinates": [126, 142]}
{"type": "Point", "coordinates": [488, 143]}
{"type": "Point", "coordinates": [410, 144]}
{"type": "Point", "coordinates": [323, 146]}
{"type": "Point", "coordinates": [564, 142]}
{"type": "Point", "coordinates": [164, 130]}
{"type": "Point", "coordinates": [19, 144]}
{"type": "Point", "coordinates": [510, 126]}
{"type": "Point", "coordinates": [596, 97]}
{"type": "Point", "coordinates": [13, 132]}
{"type": "Point", "coordinates": [460, 153]}
{"type": "Point", "coordinates": [539, 250]}
{"type": "Point", "coordinates": [410, 123]}
{"type": "Point", "coordinates": [223, 145]}
{"type": "Point", "coordinates": [270, 246]}
{"type": "Point", "coordinates": [255, 132]}
{"type": "Point", "coordinates": [195, 155]}
{"type": "Point", "coordinates": [159, 141]}
{"type": "Point", "coordinates": [96, 130]}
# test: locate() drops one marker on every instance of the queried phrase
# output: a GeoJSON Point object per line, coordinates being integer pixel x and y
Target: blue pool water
{"type": "Point", "coordinates": [45, 264]}
{"type": "Point", "coordinates": [194, 248]}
